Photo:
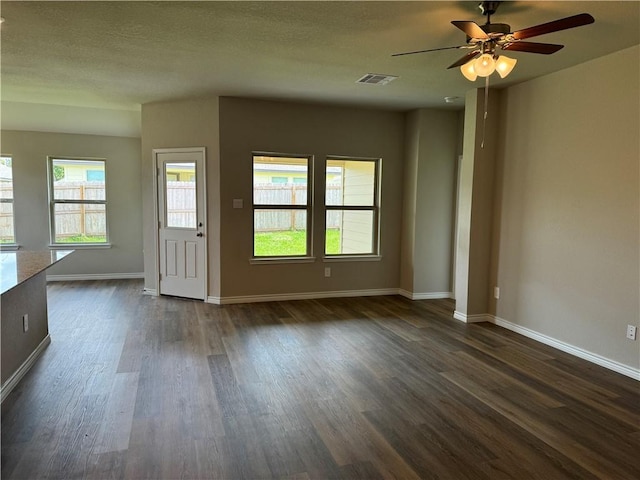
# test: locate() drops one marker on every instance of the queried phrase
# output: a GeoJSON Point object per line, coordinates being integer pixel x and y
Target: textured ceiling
{"type": "Point", "coordinates": [123, 54]}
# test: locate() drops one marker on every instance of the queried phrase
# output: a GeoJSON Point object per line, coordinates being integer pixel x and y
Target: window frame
{"type": "Point", "coordinates": [308, 208]}
{"type": "Point", "coordinates": [53, 202]}
{"type": "Point", "coordinates": [374, 208]}
{"type": "Point", "coordinates": [10, 245]}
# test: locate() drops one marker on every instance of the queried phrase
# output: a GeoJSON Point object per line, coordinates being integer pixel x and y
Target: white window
{"type": "Point", "coordinates": [352, 206]}
{"type": "Point", "coordinates": [78, 201]}
{"type": "Point", "coordinates": [7, 229]}
{"type": "Point", "coordinates": [281, 210]}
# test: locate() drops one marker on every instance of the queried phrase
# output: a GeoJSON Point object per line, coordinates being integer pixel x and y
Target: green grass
{"type": "Point", "coordinates": [332, 240]}
{"type": "Point", "coordinates": [83, 239]}
{"type": "Point", "coordinates": [290, 243]}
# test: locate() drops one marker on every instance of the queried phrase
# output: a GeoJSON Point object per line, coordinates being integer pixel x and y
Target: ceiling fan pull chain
{"type": "Point", "coordinates": [486, 109]}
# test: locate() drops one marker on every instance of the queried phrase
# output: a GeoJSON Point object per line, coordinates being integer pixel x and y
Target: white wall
{"type": "Point", "coordinates": [566, 240]}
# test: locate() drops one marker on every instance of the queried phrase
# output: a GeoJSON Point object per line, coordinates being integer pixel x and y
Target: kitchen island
{"type": "Point", "coordinates": [23, 311]}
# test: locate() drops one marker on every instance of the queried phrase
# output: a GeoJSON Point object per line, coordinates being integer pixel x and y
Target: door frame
{"type": "Point", "coordinates": [156, 211]}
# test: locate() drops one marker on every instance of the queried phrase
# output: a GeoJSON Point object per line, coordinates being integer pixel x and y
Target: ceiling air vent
{"type": "Point", "coordinates": [376, 79]}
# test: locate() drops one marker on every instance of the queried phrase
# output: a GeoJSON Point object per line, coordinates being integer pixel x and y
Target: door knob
{"type": "Point", "coordinates": [199, 234]}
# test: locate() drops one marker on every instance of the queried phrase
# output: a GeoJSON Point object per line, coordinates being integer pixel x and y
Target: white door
{"type": "Point", "coordinates": [182, 222]}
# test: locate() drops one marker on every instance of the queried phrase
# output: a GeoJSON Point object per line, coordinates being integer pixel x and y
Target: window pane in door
{"type": "Point", "coordinates": [180, 195]}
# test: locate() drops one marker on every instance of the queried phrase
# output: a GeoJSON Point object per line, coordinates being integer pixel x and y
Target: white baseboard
{"type": "Point", "coordinates": [94, 276]}
{"type": "Point", "coordinates": [463, 317]}
{"type": "Point", "coordinates": [565, 347]}
{"type": "Point", "coordinates": [425, 296]}
{"type": "Point", "coordinates": [150, 291]}
{"type": "Point", "coordinates": [301, 296]}
{"type": "Point", "coordinates": [13, 380]}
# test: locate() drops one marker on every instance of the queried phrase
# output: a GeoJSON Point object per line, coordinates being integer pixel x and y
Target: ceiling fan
{"type": "Point", "coordinates": [485, 40]}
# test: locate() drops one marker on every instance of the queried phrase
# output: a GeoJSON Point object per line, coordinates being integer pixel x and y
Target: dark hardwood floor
{"type": "Point", "coordinates": [380, 387]}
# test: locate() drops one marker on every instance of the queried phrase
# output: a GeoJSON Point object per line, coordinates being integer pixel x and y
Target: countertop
{"type": "Point", "coordinates": [18, 267]}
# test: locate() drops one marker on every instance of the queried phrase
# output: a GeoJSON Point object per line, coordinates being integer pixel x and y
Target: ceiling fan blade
{"type": "Point", "coordinates": [472, 29]}
{"type": "Point", "coordinates": [555, 26]}
{"type": "Point", "coordinates": [532, 47]}
{"type": "Point", "coordinates": [467, 58]}
{"type": "Point", "coordinates": [429, 50]}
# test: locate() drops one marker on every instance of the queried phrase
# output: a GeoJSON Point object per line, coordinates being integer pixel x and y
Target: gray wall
{"type": "Point", "coordinates": [409, 188]}
{"type": "Point", "coordinates": [248, 125]}
{"type": "Point", "coordinates": [230, 129]}
{"type": "Point", "coordinates": [566, 240]}
{"type": "Point", "coordinates": [432, 140]}
{"type": "Point", "coordinates": [476, 204]}
{"type": "Point", "coordinates": [558, 219]}
{"type": "Point", "coordinates": [124, 214]}
{"type": "Point", "coordinates": [187, 123]}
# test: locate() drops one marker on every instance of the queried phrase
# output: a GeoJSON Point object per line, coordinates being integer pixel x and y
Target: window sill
{"type": "Point", "coordinates": [352, 258]}
{"type": "Point", "coordinates": [79, 246]}
{"type": "Point", "coordinates": [279, 260]}
{"type": "Point", "coordinates": [9, 247]}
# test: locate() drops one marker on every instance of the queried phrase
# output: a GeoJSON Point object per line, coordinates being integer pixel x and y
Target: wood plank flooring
{"type": "Point", "coordinates": [381, 387]}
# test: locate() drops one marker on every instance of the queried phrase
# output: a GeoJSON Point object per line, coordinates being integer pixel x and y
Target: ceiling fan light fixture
{"type": "Point", "coordinates": [486, 39]}
{"type": "Point", "coordinates": [485, 65]}
{"type": "Point", "coordinates": [504, 65]}
{"type": "Point", "coordinates": [468, 71]}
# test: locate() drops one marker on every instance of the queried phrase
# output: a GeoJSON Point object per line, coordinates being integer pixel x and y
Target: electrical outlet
{"type": "Point", "coordinates": [327, 271]}
{"type": "Point", "coordinates": [25, 322]}
{"type": "Point", "coordinates": [631, 332]}
{"type": "Point", "coordinates": [496, 292]}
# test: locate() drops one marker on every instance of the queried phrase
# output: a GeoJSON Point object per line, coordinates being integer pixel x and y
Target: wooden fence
{"type": "Point", "coordinates": [288, 194]}
{"type": "Point", "coordinates": [90, 220]}
{"type": "Point", "coordinates": [6, 212]}
{"type": "Point", "coordinates": [181, 204]}
{"type": "Point", "coordinates": [181, 197]}
{"type": "Point", "coordinates": [74, 219]}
